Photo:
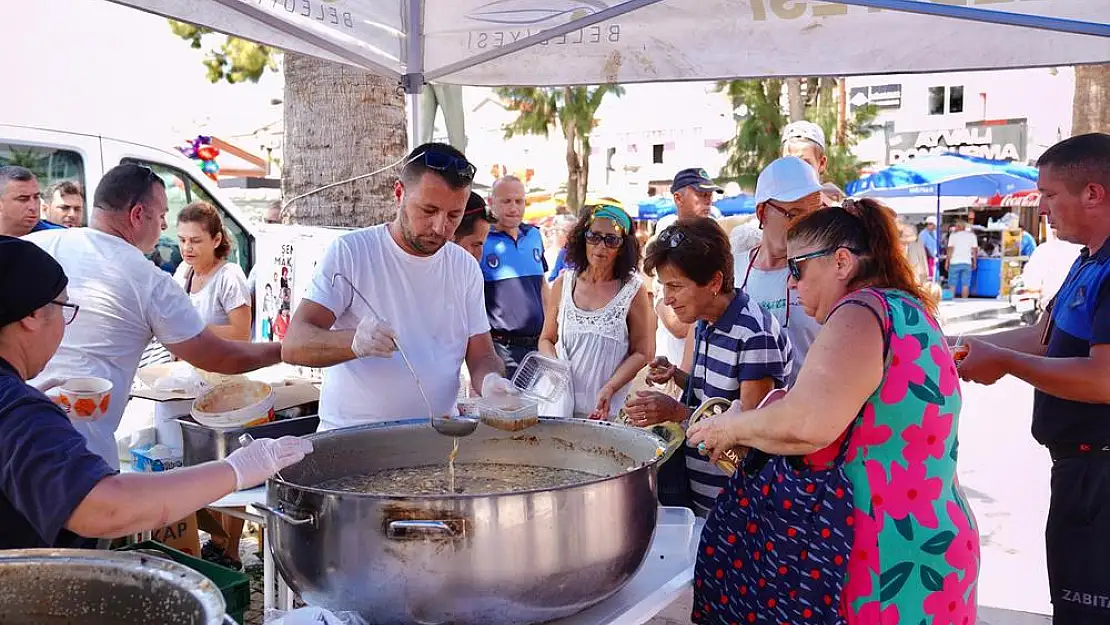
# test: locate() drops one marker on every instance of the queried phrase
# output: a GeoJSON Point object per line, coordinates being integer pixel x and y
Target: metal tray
{"type": "Point", "coordinates": [202, 444]}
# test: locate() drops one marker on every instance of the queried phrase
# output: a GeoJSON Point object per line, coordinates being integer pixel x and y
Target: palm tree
{"type": "Point", "coordinates": [1091, 106]}
{"type": "Point", "coordinates": [574, 110]}
{"type": "Point", "coordinates": [762, 119]}
{"type": "Point", "coordinates": [340, 123]}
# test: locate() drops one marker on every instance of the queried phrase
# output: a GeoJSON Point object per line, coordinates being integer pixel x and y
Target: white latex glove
{"type": "Point", "coordinates": [374, 338]}
{"type": "Point", "coordinates": [494, 385]}
{"type": "Point", "coordinates": [262, 458]}
{"type": "Point", "coordinates": [47, 384]}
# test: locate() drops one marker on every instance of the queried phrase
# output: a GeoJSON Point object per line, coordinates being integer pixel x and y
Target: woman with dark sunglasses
{"type": "Point", "coordinates": [598, 316]}
{"type": "Point", "coordinates": [877, 407]}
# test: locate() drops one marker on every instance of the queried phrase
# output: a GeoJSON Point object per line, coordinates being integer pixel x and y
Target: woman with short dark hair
{"type": "Point", "coordinates": [739, 350]}
{"type": "Point", "coordinates": [855, 467]}
{"type": "Point", "coordinates": [598, 315]}
{"type": "Point", "coordinates": [474, 227]}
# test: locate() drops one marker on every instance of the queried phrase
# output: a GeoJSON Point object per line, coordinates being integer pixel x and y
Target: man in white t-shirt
{"type": "Point", "coordinates": [787, 190]}
{"type": "Point", "coordinates": [429, 295]}
{"type": "Point", "coordinates": [963, 252]}
{"type": "Point", "coordinates": [126, 301]}
{"type": "Point", "coordinates": [693, 192]}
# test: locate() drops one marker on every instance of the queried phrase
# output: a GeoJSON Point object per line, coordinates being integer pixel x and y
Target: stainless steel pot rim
{"type": "Point", "coordinates": [661, 446]}
{"type": "Point", "coordinates": [165, 570]}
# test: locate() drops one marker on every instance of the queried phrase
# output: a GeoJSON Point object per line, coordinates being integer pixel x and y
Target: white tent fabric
{"type": "Point", "coordinates": [480, 42]}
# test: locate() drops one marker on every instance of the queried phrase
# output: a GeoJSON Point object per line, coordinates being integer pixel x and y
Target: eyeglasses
{"type": "Point", "coordinates": [782, 210]}
{"type": "Point", "coordinates": [69, 311]}
{"type": "Point", "coordinates": [672, 238]}
{"type": "Point", "coordinates": [795, 263]}
{"type": "Point", "coordinates": [149, 180]}
{"type": "Point", "coordinates": [611, 241]}
{"type": "Point", "coordinates": [446, 163]}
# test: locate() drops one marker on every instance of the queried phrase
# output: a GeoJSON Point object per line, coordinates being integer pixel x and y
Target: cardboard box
{"type": "Point", "coordinates": [183, 535]}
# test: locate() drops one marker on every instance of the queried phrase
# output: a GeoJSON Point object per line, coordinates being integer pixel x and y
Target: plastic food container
{"type": "Point", "coordinates": [540, 379]}
{"type": "Point", "coordinates": [244, 403]}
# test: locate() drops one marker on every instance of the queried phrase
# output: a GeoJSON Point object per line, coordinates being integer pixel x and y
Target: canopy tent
{"type": "Point", "coordinates": [562, 42]}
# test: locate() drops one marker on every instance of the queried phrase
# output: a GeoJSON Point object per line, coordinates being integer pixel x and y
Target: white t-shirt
{"type": "Point", "coordinates": [435, 305]}
{"type": "Point", "coordinates": [225, 291]}
{"type": "Point", "coordinates": [667, 221]}
{"type": "Point", "coordinates": [667, 344]}
{"type": "Point", "coordinates": [963, 244]}
{"type": "Point", "coordinates": [769, 290]}
{"type": "Point", "coordinates": [125, 301]}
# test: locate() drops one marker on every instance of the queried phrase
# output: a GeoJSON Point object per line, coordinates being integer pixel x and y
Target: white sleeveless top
{"type": "Point", "coordinates": [595, 342]}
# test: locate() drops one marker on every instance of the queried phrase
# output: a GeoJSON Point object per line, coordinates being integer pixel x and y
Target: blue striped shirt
{"type": "Point", "coordinates": [746, 343]}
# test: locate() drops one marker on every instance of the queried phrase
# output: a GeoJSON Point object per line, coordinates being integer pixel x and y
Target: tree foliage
{"type": "Point", "coordinates": [757, 141]}
{"type": "Point", "coordinates": [573, 110]}
{"type": "Point", "coordinates": [235, 60]}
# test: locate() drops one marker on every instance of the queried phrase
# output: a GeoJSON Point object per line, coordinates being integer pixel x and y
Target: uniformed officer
{"type": "Point", "coordinates": [1067, 359]}
{"type": "Point", "coordinates": [513, 266]}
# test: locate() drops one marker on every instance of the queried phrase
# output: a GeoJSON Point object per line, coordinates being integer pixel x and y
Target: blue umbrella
{"type": "Point", "coordinates": [937, 168]}
{"type": "Point", "coordinates": [977, 184]}
{"type": "Point", "coordinates": [658, 207]}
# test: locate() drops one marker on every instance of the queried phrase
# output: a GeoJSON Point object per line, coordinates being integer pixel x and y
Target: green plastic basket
{"type": "Point", "coordinates": [233, 585]}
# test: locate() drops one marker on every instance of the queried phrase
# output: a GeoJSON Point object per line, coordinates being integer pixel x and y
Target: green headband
{"type": "Point", "coordinates": [612, 212]}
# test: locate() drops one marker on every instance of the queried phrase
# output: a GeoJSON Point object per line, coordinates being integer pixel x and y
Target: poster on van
{"type": "Point", "coordinates": [275, 298]}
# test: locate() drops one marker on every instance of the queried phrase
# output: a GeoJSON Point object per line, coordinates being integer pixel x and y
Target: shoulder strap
{"type": "Point", "coordinates": [886, 324]}
{"type": "Point", "coordinates": [751, 263]}
{"type": "Point", "coordinates": [189, 281]}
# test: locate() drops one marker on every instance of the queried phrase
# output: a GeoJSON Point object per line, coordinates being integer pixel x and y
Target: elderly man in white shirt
{"type": "Point", "coordinates": [126, 301]}
{"type": "Point", "coordinates": [430, 296]}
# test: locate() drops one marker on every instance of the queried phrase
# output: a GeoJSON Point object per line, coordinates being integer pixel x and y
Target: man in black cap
{"type": "Point", "coordinates": [693, 192]}
{"type": "Point", "coordinates": [54, 492]}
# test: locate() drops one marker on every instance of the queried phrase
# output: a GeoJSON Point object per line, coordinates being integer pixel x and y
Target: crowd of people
{"type": "Point", "coordinates": [814, 321]}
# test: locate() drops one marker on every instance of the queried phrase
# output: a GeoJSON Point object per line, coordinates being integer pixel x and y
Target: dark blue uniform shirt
{"type": "Point", "coordinates": [514, 273]}
{"type": "Point", "coordinates": [1080, 320]}
{"type": "Point", "coordinates": [45, 468]}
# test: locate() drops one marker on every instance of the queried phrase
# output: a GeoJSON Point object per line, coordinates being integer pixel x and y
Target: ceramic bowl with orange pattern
{"type": "Point", "coordinates": [85, 399]}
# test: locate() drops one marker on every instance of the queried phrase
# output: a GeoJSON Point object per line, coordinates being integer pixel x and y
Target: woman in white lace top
{"type": "Point", "coordinates": [598, 316]}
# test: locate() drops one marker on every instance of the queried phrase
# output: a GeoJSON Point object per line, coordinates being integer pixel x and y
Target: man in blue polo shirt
{"type": "Point", "coordinates": [1067, 359]}
{"type": "Point", "coordinates": [513, 266]}
{"type": "Point", "coordinates": [20, 203]}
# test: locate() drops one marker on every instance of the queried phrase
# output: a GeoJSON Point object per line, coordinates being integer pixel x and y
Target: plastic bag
{"type": "Point", "coordinates": [313, 616]}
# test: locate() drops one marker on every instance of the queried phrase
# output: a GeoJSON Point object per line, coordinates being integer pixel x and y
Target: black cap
{"type": "Point", "coordinates": [694, 176]}
{"type": "Point", "coordinates": [29, 279]}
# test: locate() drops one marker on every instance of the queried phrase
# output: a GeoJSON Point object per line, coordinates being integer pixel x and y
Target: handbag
{"type": "Point", "coordinates": [775, 548]}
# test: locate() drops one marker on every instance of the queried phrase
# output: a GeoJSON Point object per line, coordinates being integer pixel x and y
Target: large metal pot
{"type": "Point", "coordinates": [523, 557]}
{"type": "Point", "coordinates": [62, 586]}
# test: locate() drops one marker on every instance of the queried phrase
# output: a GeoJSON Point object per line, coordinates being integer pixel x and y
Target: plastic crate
{"type": "Point", "coordinates": [233, 585]}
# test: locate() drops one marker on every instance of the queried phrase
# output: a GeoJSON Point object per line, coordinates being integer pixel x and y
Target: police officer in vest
{"type": "Point", "coordinates": [1066, 358]}
{"type": "Point", "coordinates": [513, 265]}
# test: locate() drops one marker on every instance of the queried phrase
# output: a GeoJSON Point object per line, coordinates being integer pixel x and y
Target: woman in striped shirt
{"type": "Point", "coordinates": [739, 350]}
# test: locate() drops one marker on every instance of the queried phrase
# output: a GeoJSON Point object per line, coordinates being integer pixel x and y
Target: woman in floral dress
{"type": "Point", "coordinates": [880, 373]}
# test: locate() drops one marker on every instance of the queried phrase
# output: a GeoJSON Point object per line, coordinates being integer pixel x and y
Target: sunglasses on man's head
{"type": "Point", "coordinates": [446, 163]}
{"type": "Point", "coordinates": [611, 241]}
{"type": "Point", "coordinates": [150, 178]}
{"type": "Point", "coordinates": [794, 263]}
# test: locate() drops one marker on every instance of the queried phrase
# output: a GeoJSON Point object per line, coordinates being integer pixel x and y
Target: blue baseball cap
{"type": "Point", "coordinates": [694, 176]}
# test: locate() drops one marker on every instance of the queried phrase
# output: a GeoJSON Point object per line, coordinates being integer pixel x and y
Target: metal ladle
{"type": "Point", "coordinates": [447, 425]}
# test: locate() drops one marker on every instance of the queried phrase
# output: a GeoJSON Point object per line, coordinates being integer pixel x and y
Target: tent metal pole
{"type": "Point", "coordinates": [527, 42]}
{"type": "Point", "coordinates": [413, 80]}
{"type": "Point", "coordinates": [1039, 22]}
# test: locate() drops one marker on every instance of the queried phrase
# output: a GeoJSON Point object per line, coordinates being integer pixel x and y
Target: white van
{"type": "Point", "coordinates": [83, 156]}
